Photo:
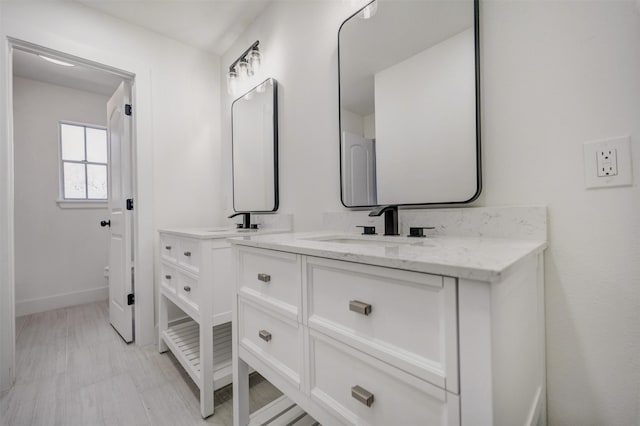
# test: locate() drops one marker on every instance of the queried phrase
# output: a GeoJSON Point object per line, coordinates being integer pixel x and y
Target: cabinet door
{"type": "Point", "coordinates": [407, 319]}
{"type": "Point", "coordinates": [271, 278]}
{"type": "Point", "coordinates": [189, 254]}
{"type": "Point", "coordinates": [273, 338]}
{"type": "Point", "coordinates": [169, 248]}
{"type": "Point", "coordinates": [361, 390]}
{"type": "Point", "coordinates": [168, 278]}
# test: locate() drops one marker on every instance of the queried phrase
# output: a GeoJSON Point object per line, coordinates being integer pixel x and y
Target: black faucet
{"type": "Point", "coordinates": [390, 218]}
{"type": "Point", "coordinates": [246, 220]}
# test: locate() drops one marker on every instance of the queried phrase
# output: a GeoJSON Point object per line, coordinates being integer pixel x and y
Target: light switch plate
{"type": "Point", "coordinates": [612, 155]}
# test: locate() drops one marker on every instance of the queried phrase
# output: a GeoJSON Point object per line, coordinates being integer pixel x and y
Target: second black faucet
{"type": "Point", "coordinates": [390, 218]}
{"type": "Point", "coordinates": [246, 221]}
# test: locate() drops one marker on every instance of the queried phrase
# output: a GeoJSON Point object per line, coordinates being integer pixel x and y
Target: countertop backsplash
{"type": "Point", "coordinates": [512, 222]}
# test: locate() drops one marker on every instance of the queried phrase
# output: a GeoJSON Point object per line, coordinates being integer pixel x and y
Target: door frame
{"type": "Point", "coordinates": [142, 181]}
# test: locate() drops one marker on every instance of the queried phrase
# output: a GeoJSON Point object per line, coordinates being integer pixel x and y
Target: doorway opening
{"type": "Point", "coordinates": [73, 171]}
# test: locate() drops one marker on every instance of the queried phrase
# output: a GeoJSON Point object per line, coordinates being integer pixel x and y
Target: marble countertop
{"type": "Point", "coordinates": [219, 232]}
{"type": "Point", "coordinates": [477, 258]}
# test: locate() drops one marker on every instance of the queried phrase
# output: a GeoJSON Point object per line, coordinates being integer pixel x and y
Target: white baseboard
{"type": "Point", "coordinates": [33, 306]}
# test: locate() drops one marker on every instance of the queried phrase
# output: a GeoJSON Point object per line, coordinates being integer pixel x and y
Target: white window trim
{"type": "Point", "coordinates": [82, 204]}
{"type": "Point", "coordinates": [71, 203]}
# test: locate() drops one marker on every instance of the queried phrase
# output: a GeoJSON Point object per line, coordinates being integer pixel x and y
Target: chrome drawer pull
{"type": "Point", "coordinates": [264, 335]}
{"type": "Point", "coordinates": [167, 247]}
{"type": "Point", "coordinates": [167, 277]}
{"type": "Point", "coordinates": [362, 395]}
{"type": "Point", "coordinates": [264, 277]}
{"type": "Point", "coordinates": [187, 253]}
{"type": "Point", "coordinates": [359, 307]}
{"type": "Point", "coordinates": [187, 288]}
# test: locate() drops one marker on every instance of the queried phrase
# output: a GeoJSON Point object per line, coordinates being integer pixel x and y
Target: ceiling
{"type": "Point", "coordinates": [210, 25]}
{"type": "Point", "coordinates": [30, 65]}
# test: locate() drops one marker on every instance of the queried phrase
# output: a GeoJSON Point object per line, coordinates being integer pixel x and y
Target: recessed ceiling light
{"type": "Point", "coordinates": [56, 61]}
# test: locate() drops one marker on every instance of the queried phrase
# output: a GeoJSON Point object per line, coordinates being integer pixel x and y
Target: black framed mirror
{"type": "Point", "coordinates": [254, 149]}
{"type": "Point", "coordinates": [409, 102]}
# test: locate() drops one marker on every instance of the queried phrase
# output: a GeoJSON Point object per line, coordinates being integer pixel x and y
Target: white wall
{"type": "Point", "coordinates": [298, 40]}
{"type": "Point", "coordinates": [557, 74]}
{"type": "Point", "coordinates": [185, 100]}
{"type": "Point", "coordinates": [177, 107]}
{"type": "Point", "coordinates": [554, 74]}
{"type": "Point", "coordinates": [59, 252]}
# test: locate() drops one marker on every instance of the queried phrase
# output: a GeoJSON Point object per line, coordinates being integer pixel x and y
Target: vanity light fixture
{"type": "Point", "coordinates": [244, 67]}
{"type": "Point", "coordinates": [255, 59]}
{"type": "Point", "coordinates": [369, 10]}
{"type": "Point", "coordinates": [232, 82]}
{"type": "Point", "coordinates": [57, 61]}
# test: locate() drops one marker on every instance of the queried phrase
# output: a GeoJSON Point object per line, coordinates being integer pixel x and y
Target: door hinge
{"type": "Point", "coordinates": [129, 203]}
{"type": "Point", "coordinates": [130, 299]}
{"type": "Point", "coordinates": [127, 109]}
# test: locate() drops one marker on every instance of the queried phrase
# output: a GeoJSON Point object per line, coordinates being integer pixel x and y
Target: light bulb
{"type": "Point", "coordinates": [369, 10]}
{"type": "Point", "coordinates": [232, 82]}
{"type": "Point", "coordinates": [243, 69]}
{"type": "Point", "coordinates": [255, 59]}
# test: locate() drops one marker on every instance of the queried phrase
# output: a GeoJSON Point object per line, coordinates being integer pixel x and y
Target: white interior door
{"type": "Point", "coordinates": [359, 170]}
{"type": "Point", "coordinates": [120, 242]}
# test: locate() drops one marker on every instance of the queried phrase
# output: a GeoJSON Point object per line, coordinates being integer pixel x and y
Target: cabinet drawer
{"type": "Point", "coordinates": [272, 278]}
{"type": "Point", "coordinates": [344, 380]}
{"type": "Point", "coordinates": [188, 290]}
{"type": "Point", "coordinates": [273, 338]}
{"type": "Point", "coordinates": [168, 278]}
{"type": "Point", "coordinates": [169, 248]}
{"type": "Point", "coordinates": [189, 254]}
{"type": "Point", "coordinates": [407, 319]}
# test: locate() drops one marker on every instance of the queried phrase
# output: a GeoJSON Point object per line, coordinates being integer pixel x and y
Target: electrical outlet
{"type": "Point", "coordinates": [607, 163]}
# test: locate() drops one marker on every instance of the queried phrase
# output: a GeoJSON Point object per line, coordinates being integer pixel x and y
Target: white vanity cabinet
{"type": "Point", "coordinates": [361, 343]}
{"type": "Point", "coordinates": [196, 276]}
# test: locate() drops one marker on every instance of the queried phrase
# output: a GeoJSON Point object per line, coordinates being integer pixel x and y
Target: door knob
{"type": "Point", "coordinates": [104, 223]}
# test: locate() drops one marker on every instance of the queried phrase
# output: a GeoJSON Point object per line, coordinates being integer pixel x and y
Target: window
{"type": "Point", "coordinates": [83, 162]}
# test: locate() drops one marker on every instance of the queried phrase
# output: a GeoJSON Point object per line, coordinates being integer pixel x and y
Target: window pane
{"type": "Point", "coordinates": [72, 138]}
{"type": "Point", "coordinates": [96, 145]}
{"type": "Point", "coordinates": [97, 182]}
{"type": "Point", "coordinates": [74, 185]}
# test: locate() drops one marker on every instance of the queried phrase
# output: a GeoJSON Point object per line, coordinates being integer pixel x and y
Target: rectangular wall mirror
{"type": "Point", "coordinates": [409, 103]}
{"type": "Point", "coordinates": [254, 139]}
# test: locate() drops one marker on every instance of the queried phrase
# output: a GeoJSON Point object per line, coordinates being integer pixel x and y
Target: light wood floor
{"type": "Point", "coordinates": [73, 369]}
